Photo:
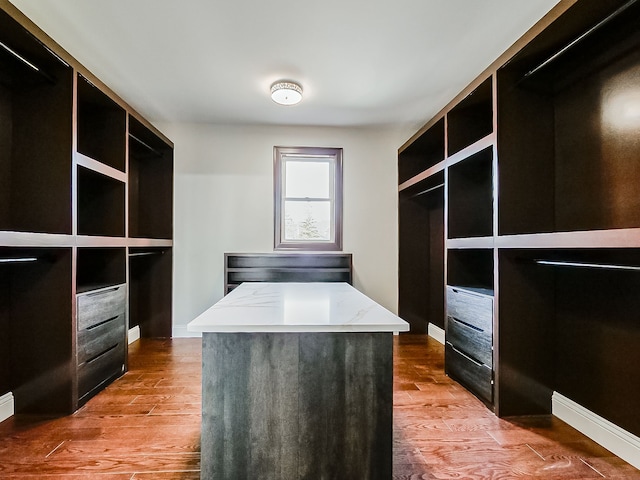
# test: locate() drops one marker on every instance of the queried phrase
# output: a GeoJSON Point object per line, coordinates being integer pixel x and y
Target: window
{"type": "Point", "coordinates": [308, 198]}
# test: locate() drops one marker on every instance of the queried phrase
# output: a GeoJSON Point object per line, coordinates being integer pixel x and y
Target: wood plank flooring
{"type": "Point", "coordinates": [146, 425]}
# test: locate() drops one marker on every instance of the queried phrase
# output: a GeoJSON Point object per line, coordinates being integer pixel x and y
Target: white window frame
{"type": "Point", "coordinates": [334, 157]}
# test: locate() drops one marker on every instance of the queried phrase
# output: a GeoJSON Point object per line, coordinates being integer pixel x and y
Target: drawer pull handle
{"type": "Point", "coordinates": [472, 360]}
{"type": "Point", "coordinates": [102, 322]}
{"type": "Point", "coordinates": [466, 324]}
{"type": "Point", "coordinates": [93, 359]}
{"type": "Point", "coordinates": [93, 294]}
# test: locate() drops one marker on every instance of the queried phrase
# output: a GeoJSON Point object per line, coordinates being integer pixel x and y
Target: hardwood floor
{"type": "Point", "coordinates": [443, 432]}
{"type": "Point", "coordinates": [146, 425]}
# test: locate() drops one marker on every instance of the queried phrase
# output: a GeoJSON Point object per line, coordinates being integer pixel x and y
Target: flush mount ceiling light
{"type": "Point", "coordinates": [286, 93]}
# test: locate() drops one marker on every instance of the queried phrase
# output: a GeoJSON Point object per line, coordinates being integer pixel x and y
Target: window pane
{"type": "Point", "coordinates": [307, 220]}
{"type": "Point", "coordinates": [307, 179]}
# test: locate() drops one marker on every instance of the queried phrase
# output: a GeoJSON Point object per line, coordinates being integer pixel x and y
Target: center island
{"type": "Point", "coordinates": [297, 383]}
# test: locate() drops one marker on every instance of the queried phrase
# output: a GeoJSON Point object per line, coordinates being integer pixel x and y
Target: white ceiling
{"type": "Point", "coordinates": [360, 62]}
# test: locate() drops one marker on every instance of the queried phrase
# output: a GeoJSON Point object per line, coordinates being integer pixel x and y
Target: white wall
{"type": "Point", "coordinates": [224, 203]}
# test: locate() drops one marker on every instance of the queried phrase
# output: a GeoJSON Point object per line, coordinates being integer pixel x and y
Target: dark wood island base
{"type": "Point", "coordinates": [285, 406]}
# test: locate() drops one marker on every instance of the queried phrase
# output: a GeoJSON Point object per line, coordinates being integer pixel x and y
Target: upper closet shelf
{"type": "Point", "coordinates": [438, 167]}
{"type": "Point", "coordinates": [471, 150]}
{"type": "Point", "coordinates": [99, 167]}
{"type": "Point", "coordinates": [473, 242]}
{"type": "Point", "coordinates": [31, 239]}
{"type": "Point", "coordinates": [149, 242]}
{"type": "Point", "coordinates": [617, 238]}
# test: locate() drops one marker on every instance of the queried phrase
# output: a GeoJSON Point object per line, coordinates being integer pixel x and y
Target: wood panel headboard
{"type": "Point", "coordinates": [286, 267]}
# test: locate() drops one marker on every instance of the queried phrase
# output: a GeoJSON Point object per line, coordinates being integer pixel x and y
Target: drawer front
{"type": "Point", "coordinates": [99, 338]}
{"type": "Point", "coordinates": [474, 342]}
{"type": "Point", "coordinates": [473, 309]}
{"type": "Point", "coordinates": [96, 307]}
{"type": "Point", "coordinates": [93, 373]}
{"type": "Point", "coordinates": [475, 377]}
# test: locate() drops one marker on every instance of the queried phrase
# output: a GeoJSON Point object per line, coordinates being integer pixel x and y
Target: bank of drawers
{"type": "Point", "coordinates": [469, 339]}
{"type": "Point", "coordinates": [101, 338]}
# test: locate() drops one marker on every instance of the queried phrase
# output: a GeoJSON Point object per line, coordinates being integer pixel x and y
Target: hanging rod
{"type": "Point", "coordinates": [145, 145]}
{"type": "Point", "coordinates": [427, 190]}
{"type": "Point", "coordinates": [19, 260]}
{"type": "Point", "coordinates": [580, 38]}
{"type": "Point", "coordinates": [142, 254]}
{"type": "Point", "coordinates": [32, 66]}
{"type": "Point", "coordinates": [603, 266]}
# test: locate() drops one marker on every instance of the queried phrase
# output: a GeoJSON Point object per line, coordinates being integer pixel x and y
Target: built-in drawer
{"type": "Point", "coordinates": [469, 325]}
{"type": "Point", "coordinates": [471, 340]}
{"type": "Point", "coordinates": [98, 306]}
{"type": "Point", "coordinates": [100, 337]}
{"type": "Point", "coordinates": [475, 376]}
{"type": "Point", "coordinates": [473, 307]}
{"type": "Point", "coordinates": [96, 371]}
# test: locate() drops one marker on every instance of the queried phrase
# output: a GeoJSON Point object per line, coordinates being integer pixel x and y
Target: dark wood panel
{"type": "Point", "coordinates": [97, 307]}
{"type": "Point", "coordinates": [597, 338]}
{"type": "Point", "coordinates": [97, 372]}
{"type": "Point", "coordinates": [101, 201]}
{"type": "Point", "coordinates": [150, 184]}
{"type": "Point", "coordinates": [526, 189]}
{"type": "Point", "coordinates": [425, 152]}
{"type": "Point", "coordinates": [345, 405]}
{"type": "Point", "coordinates": [471, 119]}
{"type": "Point", "coordinates": [101, 126]}
{"type": "Point", "coordinates": [436, 262]}
{"type": "Point", "coordinates": [35, 116]}
{"type": "Point", "coordinates": [470, 268]}
{"type": "Point", "coordinates": [421, 254]}
{"type": "Point", "coordinates": [475, 376]}
{"type": "Point", "coordinates": [597, 150]}
{"type": "Point", "coordinates": [470, 196]}
{"type": "Point", "coordinates": [286, 267]}
{"type": "Point", "coordinates": [100, 338]}
{"type": "Point", "coordinates": [40, 330]}
{"type": "Point", "coordinates": [150, 286]}
{"type": "Point", "coordinates": [100, 267]}
{"type": "Point", "coordinates": [524, 341]}
{"type": "Point", "coordinates": [571, 168]}
{"type": "Point", "coordinates": [297, 405]}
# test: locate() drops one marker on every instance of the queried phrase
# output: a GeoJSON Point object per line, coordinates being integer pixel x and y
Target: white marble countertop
{"type": "Point", "coordinates": [297, 307]}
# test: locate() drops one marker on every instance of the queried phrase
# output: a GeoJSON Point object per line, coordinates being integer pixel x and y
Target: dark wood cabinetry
{"type": "Point", "coordinates": [71, 161]}
{"type": "Point", "coordinates": [286, 267]}
{"type": "Point", "coordinates": [150, 286]}
{"type": "Point", "coordinates": [542, 208]}
{"type": "Point", "coordinates": [36, 97]}
{"type": "Point", "coordinates": [421, 253]}
{"type": "Point", "coordinates": [150, 183]}
{"type": "Point", "coordinates": [469, 339]}
{"type": "Point", "coordinates": [100, 338]}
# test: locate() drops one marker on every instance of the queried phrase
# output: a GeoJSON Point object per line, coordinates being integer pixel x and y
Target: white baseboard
{"type": "Point", "coordinates": [622, 443]}
{"type": "Point", "coordinates": [180, 331]}
{"type": "Point", "coordinates": [7, 406]}
{"type": "Point", "coordinates": [436, 333]}
{"type": "Point", "coordinates": [133, 334]}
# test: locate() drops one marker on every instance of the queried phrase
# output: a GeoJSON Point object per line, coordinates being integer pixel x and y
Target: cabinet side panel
{"type": "Point", "coordinates": [525, 337]}
{"type": "Point", "coordinates": [598, 333]}
{"type": "Point", "coordinates": [525, 158]}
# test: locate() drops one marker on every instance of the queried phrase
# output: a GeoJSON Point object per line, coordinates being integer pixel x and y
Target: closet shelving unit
{"type": "Point", "coordinates": [78, 202]}
{"type": "Point", "coordinates": [542, 209]}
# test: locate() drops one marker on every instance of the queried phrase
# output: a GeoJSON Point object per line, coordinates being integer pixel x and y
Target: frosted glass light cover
{"type": "Point", "coordinates": [286, 93]}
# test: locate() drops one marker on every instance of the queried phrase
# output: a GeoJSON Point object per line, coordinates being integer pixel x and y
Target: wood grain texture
{"type": "Point", "coordinates": [287, 406]}
{"type": "Point", "coordinates": [146, 425]}
{"type": "Point", "coordinates": [286, 267]}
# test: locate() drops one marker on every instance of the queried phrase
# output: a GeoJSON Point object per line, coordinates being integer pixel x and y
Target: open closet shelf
{"type": "Point", "coordinates": [540, 206]}
{"type": "Point", "coordinates": [73, 157]}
